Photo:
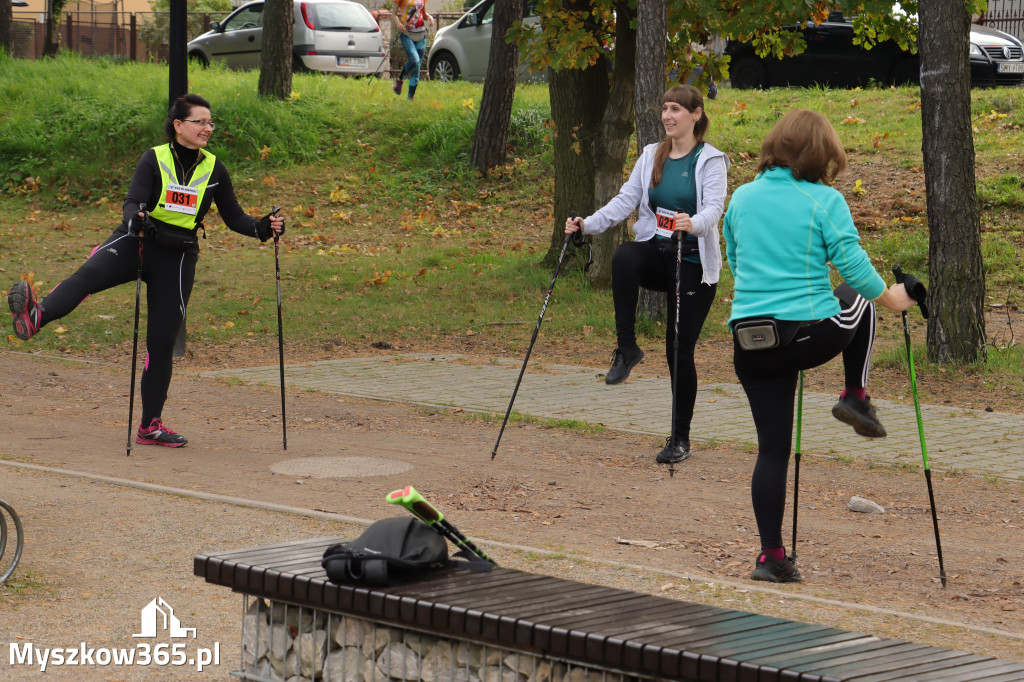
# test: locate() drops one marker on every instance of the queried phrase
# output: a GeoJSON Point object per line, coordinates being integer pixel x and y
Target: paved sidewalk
{"type": "Point", "coordinates": [991, 443]}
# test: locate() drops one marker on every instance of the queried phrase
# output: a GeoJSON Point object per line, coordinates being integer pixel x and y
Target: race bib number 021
{"type": "Point", "coordinates": [181, 199]}
{"type": "Point", "coordinates": [666, 222]}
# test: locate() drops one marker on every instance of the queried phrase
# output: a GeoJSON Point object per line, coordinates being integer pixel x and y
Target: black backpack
{"type": "Point", "coordinates": [387, 551]}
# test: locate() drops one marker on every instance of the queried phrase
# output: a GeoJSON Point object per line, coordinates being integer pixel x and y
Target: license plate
{"type": "Point", "coordinates": [352, 61]}
{"type": "Point", "coordinates": [1010, 67]}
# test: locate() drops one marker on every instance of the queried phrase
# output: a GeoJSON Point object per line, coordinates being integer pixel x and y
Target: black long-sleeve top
{"type": "Point", "coordinates": [146, 184]}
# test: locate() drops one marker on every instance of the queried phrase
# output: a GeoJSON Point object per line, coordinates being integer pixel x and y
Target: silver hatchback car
{"type": "Point", "coordinates": [462, 49]}
{"type": "Point", "coordinates": [335, 36]}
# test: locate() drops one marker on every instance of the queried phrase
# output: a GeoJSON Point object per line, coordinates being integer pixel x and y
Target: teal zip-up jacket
{"type": "Point", "coordinates": [780, 235]}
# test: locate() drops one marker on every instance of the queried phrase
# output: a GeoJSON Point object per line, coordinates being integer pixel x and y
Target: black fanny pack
{"type": "Point", "coordinates": [671, 245]}
{"type": "Point", "coordinates": [764, 333]}
{"type": "Point", "coordinates": [174, 238]}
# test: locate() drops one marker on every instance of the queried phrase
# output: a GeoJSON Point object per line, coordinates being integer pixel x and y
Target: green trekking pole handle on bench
{"type": "Point", "coordinates": [411, 499]}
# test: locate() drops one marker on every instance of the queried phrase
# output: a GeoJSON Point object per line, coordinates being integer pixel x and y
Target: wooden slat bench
{"type": "Point", "coordinates": [593, 627]}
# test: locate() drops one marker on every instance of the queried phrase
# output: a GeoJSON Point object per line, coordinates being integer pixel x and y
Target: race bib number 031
{"type": "Point", "coordinates": [181, 199]}
{"type": "Point", "coordinates": [666, 222]}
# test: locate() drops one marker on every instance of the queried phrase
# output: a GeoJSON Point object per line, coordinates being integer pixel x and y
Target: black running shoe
{"type": "Point", "coordinates": [623, 361]}
{"type": "Point", "coordinates": [673, 452]}
{"type": "Point", "coordinates": [158, 434]}
{"type": "Point", "coordinates": [26, 312]}
{"type": "Point", "coordinates": [771, 570]}
{"type": "Point", "coordinates": [859, 414]}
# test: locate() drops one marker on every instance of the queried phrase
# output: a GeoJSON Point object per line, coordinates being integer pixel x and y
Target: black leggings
{"type": "Point", "coordinates": [769, 378]}
{"type": "Point", "coordinates": [652, 265]}
{"type": "Point", "coordinates": [168, 275]}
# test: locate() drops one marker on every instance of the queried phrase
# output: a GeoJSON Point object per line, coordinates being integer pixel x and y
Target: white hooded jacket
{"type": "Point", "coordinates": [712, 184]}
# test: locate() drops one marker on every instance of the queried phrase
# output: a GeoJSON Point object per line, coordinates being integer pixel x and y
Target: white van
{"type": "Point", "coordinates": [335, 36]}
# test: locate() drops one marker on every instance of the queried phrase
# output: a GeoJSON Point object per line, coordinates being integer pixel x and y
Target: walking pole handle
{"type": "Point", "coordinates": [411, 499]}
{"type": "Point", "coordinates": [272, 213]}
{"type": "Point", "coordinates": [577, 236]}
{"type": "Point", "coordinates": [915, 288]}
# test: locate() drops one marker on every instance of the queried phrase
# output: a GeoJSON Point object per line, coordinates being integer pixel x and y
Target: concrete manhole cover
{"type": "Point", "coordinates": [340, 467]}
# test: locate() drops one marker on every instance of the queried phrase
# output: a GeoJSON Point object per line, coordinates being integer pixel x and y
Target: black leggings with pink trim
{"type": "Point", "coordinates": [169, 276]}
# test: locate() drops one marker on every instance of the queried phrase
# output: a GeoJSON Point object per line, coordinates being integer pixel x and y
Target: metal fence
{"type": "Point", "coordinates": [1005, 15]}
{"type": "Point", "coordinates": [135, 36]}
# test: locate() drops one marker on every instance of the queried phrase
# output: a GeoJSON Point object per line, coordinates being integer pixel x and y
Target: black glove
{"type": "Point", "coordinates": [263, 229]}
{"type": "Point", "coordinates": [138, 227]}
{"type": "Point", "coordinates": [915, 288]}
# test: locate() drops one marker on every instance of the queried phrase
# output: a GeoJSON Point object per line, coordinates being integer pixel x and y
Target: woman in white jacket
{"type": "Point", "coordinates": [679, 185]}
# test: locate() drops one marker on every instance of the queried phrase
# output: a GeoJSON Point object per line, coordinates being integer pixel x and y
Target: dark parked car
{"type": "Point", "coordinates": [831, 58]}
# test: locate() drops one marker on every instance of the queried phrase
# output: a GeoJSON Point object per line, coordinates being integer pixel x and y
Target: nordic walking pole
{"type": "Point", "coordinates": [536, 330]}
{"type": "Point", "coordinates": [675, 349]}
{"type": "Point", "coordinates": [135, 339]}
{"type": "Point", "coordinates": [412, 500]}
{"type": "Point", "coordinates": [917, 291]}
{"type": "Point", "coordinates": [280, 330]}
{"type": "Point", "coordinates": [796, 473]}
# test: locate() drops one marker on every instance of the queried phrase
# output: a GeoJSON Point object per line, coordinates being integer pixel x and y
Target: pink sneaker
{"type": "Point", "coordinates": [398, 86]}
{"type": "Point", "coordinates": [158, 434]}
{"type": "Point", "coordinates": [27, 313]}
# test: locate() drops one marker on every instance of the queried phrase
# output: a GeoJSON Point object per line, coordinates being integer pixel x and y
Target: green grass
{"type": "Point", "coordinates": [392, 237]}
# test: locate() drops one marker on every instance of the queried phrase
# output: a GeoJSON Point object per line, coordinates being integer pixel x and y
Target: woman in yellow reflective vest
{"type": "Point", "coordinates": [177, 182]}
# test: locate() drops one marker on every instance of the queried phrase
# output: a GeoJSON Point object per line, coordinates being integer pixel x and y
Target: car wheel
{"type": "Point", "coordinates": [907, 72]}
{"type": "Point", "coordinates": [297, 65]}
{"type": "Point", "coordinates": [748, 73]}
{"type": "Point", "coordinates": [198, 59]}
{"type": "Point", "coordinates": [445, 68]}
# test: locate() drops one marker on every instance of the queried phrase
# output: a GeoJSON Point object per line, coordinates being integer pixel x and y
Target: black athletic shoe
{"type": "Point", "coordinates": [158, 434]}
{"type": "Point", "coordinates": [859, 414]}
{"type": "Point", "coordinates": [673, 453]}
{"type": "Point", "coordinates": [27, 315]}
{"type": "Point", "coordinates": [770, 569]}
{"type": "Point", "coordinates": [623, 361]}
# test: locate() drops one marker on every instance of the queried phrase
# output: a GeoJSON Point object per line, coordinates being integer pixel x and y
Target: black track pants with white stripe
{"type": "Point", "coordinates": [769, 378]}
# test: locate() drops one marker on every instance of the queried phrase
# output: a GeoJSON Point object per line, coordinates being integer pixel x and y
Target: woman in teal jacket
{"type": "Point", "coordinates": [781, 233]}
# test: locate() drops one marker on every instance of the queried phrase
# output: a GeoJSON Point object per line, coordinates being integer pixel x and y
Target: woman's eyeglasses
{"type": "Point", "coordinates": [206, 124]}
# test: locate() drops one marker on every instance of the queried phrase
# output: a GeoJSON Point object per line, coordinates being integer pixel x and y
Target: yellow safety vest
{"type": "Point", "coordinates": [178, 203]}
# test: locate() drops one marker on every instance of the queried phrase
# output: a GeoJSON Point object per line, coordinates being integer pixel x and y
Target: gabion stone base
{"type": "Point", "coordinates": [285, 643]}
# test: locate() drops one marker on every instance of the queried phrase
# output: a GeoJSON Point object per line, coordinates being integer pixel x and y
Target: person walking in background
{"type": "Point", "coordinates": [679, 185]}
{"type": "Point", "coordinates": [179, 181]}
{"type": "Point", "coordinates": [411, 21]}
{"type": "Point", "coordinates": [782, 230]}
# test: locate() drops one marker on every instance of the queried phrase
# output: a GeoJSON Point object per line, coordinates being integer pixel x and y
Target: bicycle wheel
{"type": "Point", "coordinates": [7, 510]}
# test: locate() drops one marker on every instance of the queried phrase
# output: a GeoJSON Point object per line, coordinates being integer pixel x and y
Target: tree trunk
{"type": "Point", "coordinates": [276, 55]}
{"type": "Point", "coordinates": [651, 29]}
{"type": "Point", "coordinates": [956, 328]}
{"type": "Point", "coordinates": [491, 134]}
{"type": "Point", "coordinates": [613, 146]}
{"type": "Point", "coordinates": [51, 39]}
{"type": "Point", "coordinates": [6, 28]}
{"type": "Point", "coordinates": [578, 96]}
{"type": "Point", "coordinates": [593, 114]}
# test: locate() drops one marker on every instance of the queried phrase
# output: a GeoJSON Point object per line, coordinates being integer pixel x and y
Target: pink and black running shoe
{"type": "Point", "coordinates": [27, 313]}
{"type": "Point", "coordinates": [158, 434]}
